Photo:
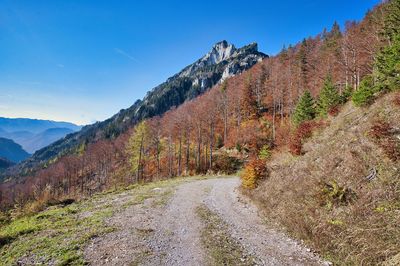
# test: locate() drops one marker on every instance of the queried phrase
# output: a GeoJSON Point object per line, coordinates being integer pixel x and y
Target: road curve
{"type": "Point", "coordinates": [171, 234]}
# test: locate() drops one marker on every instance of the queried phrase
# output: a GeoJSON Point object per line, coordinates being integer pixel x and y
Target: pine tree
{"type": "Point", "coordinates": [387, 63]}
{"type": "Point", "coordinates": [305, 109]}
{"type": "Point", "coordinates": [392, 21]}
{"type": "Point", "coordinates": [365, 94]}
{"type": "Point", "coordinates": [328, 98]}
{"type": "Point", "coordinates": [387, 67]}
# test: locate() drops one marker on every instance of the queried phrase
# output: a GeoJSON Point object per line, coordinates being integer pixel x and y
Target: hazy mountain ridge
{"type": "Point", "coordinates": [223, 60]}
{"type": "Point", "coordinates": [33, 125]}
{"type": "Point", "coordinates": [34, 134]}
{"type": "Point", "coordinates": [12, 151]}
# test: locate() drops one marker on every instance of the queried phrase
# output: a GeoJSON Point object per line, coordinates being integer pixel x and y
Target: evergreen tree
{"type": "Point", "coordinates": [346, 94]}
{"type": "Point", "coordinates": [305, 109]}
{"type": "Point", "coordinates": [387, 63]}
{"type": "Point", "coordinates": [392, 21]}
{"type": "Point", "coordinates": [387, 67]}
{"type": "Point", "coordinates": [328, 98]}
{"type": "Point", "coordinates": [365, 93]}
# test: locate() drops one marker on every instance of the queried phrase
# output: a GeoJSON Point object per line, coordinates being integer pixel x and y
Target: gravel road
{"type": "Point", "coordinates": [170, 233]}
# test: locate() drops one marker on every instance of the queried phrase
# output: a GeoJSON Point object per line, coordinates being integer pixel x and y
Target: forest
{"type": "Point", "coordinates": [238, 123]}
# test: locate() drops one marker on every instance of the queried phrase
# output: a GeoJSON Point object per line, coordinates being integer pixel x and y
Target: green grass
{"type": "Point", "coordinates": [221, 248]}
{"type": "Point", "coordinates": [55, 235]}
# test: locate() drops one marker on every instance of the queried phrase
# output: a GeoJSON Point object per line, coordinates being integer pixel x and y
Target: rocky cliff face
{"type": "Point", "coordinates": [231, 59]}
{"type": "Point", "coordinates": [222, 61]}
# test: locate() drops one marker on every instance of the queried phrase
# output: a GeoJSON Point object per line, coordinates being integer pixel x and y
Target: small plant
{"type": "Point", "coordinates": [264, 153]}
{"type": "Point", "coordinates": [254, 171]}
{"type": "Point", "coordinates": [334, 111]}
{"type": "Point", "coordinates": [332, 194]}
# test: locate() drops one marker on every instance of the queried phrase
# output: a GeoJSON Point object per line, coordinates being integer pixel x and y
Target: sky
{"type": "Point", "coordinates": [82, 61]}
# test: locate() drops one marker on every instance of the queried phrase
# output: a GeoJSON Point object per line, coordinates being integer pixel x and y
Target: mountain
{"type": "Point", "coordinates": [222, 61]}
{"type": "Point", "coordinates": [45, 138]}
{"type": "Point", "coordinates": [12, 151]}
{"type": "Point", "coordinates": [33, 134]}
{"type": "Point", "coordinates": [32, 125]}
{"type": "Point", "coordinates": [5, 163]}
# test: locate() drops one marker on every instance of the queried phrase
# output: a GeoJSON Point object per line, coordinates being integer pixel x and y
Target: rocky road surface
{"type": "Point", "coordinates": [166, 229]}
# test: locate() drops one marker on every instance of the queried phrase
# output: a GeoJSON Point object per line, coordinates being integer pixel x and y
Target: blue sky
{"type": "Point", "coordinates": [84, 60]}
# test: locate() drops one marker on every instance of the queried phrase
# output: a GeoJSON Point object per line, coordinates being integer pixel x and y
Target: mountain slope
{"type": "Point", "coordinates": [345, 188]}
{"type": "Point", "coordinates": [224, 60]}
{"type": "Point", "coordinates": [5, 163]}
{"type": "Point", "coordinates": [45, 138]}
{"type": "Point", "coordinates": [12, 151]}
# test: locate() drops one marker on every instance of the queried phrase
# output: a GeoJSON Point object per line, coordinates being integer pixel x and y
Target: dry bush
{"type": "Point", "coordinates": [333, 111]}
{"type": "Point", "coordinates": [302, 133]}
{"type": "Point", "coordinates": [226, 164]}
{"type": "Point", "coordinates": [396, 100]}
{"type": "Point", "coordinates": [254, 171]}
{"type": "Point", "coordinates": [384, 135]}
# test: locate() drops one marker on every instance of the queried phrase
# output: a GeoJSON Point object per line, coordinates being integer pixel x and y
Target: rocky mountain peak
{"type": "Point", "coordinates": [219, 52]}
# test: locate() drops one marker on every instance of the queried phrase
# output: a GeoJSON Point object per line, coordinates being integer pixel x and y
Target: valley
{"type": "Point", "coordinates": [239, 158]}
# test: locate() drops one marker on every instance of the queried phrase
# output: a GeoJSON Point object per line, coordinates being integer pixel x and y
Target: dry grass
{"type": "Point", "coordinates": [323, 197]}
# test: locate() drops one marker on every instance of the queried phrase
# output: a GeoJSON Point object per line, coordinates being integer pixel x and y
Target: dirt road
{"type": "Point", "coordinates": [203, 222]}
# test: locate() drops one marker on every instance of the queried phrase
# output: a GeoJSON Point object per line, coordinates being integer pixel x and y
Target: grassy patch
{"type": "Point", "coordinates": [55, 235]}
{"type": "Point", "coordinates": [220, 246]}
{"type": "Point", "coordinates": [59, 234]}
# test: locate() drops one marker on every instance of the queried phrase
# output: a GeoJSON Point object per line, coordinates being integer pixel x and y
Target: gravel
{"type": "Point", "coordinates": [147, 234]}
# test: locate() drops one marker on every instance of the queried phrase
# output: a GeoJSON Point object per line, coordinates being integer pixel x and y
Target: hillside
{"type": "Point", "coordinates": [223, 61]}
{"type": "Point", "coordinates": [5, 163]}
{"type": "Point", "coordinates": [346, 184]}
{"type": "Point", "coordinates": [12, 151]}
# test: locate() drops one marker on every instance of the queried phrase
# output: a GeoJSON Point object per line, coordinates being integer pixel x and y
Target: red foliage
{"type": "Point", "coordinates": [384, 135]}
{"type": "Point", "coordinates": [302, 132]}
{"type": "Point", "coordinates": [333, 111]}
{"type": "Point", "coordinates": [396, 100]}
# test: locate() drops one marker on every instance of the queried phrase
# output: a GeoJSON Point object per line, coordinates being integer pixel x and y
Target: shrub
{"type": "Point", "coordinates": [264, 153]}
{"type": "Point", "coordinates": [396, 100]}
{"type": "Point", "coordinates": [254, 171]}
{"type": "Point", "coordinates": [384, 135]}
{"type": "Point", "coordinates": [334, 111]}
{"type": "Point", "coordinates": [365, 93]}
{"type": "Point", "coordinates": [302, 132]}
{"type": "Point", "coordinates": [332, 194]}
{"type": "Point", "coordinates": [227, 164]}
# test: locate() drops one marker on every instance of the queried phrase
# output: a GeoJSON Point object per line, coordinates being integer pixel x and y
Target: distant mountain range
{"type": "Point", "coordinates": [222, 61]}
{"type": "Point", "coordinates": [30, 135]}
{"type": "Point", "coordinates": [12, 151]}
{"type": "Point", "coordinates": [34, 126]}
